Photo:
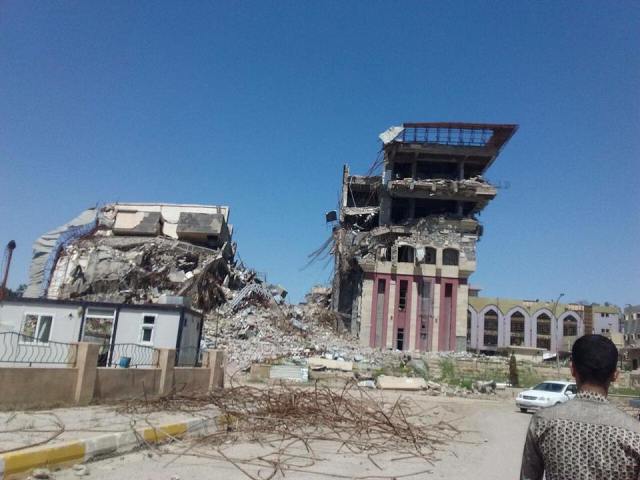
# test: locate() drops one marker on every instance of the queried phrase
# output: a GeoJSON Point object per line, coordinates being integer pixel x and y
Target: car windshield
{"type": "Point", "coordinates": [549, 387]}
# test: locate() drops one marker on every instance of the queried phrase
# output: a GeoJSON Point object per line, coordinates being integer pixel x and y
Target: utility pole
{"type": "Point", "coordinates": [555, 306]}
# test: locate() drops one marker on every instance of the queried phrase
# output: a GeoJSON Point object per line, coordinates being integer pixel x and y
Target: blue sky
{"type": "Point", "coordinates": [258, 104]}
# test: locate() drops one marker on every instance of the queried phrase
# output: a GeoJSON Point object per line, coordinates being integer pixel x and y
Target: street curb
{"type": "Point", "coordinates": [19, 463]}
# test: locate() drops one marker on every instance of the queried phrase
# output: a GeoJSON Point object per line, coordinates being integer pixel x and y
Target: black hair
{"type": "Point", "coordinates": [595, 358]}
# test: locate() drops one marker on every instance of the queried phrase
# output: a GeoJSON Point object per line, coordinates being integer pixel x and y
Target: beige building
{"type": "Point", "coordinates": [405, 244]}
{"type": "Point", "coordinates": [500, 323]}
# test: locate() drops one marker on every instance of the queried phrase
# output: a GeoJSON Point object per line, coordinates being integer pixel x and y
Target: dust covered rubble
{"type": "Point", "coordinates": [141, 270]}
{"type": "Point", "coordinates": [262, 329]}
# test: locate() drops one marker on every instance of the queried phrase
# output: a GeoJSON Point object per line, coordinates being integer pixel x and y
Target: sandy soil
{"type": "Point", "coordinates": [489, 447]}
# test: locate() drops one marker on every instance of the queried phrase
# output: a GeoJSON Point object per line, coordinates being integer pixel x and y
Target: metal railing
{"type": "Point", "coordinates": [189, 357]}
{"type": "Point", "coordinates": [127, 355]}
{"type": "Point", "coordinates": [23, 349]}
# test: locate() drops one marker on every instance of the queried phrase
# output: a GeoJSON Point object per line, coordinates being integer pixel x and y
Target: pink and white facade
{"type": "Point", "coordinates": [405, 244]}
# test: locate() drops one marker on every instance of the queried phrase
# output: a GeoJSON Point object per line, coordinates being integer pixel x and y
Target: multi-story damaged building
{"type": "Point", "coordinates": [136, 253]}
{"type": "Point", "coordinates": [405, 244]}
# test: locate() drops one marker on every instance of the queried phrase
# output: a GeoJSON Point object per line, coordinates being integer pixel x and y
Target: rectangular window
{"type": "Point", "coordinates": [382, 285]}
{"type": "Point", "coordinates": [36, 328]}
{"type": "Point", "coordinates": [448, 290]}
{"type": "Point", "coordinates": [98, 325]}
{"type": "Point", "coordinates": [402, 299]}
{"type": "Point", "coordinates": [400, 339]}
{"type": "Point", "coordinates": [146, 334]}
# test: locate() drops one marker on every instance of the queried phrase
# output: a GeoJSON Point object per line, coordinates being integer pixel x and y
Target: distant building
{"type": "Point", "coordinates": [631, 324]}
{"type": "Point", "coordinates": [499, 323]}
{"type": "Point", "coordinates": [606, 319]}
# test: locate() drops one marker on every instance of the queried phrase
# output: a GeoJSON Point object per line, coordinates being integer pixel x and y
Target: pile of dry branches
{"type": "Point", "coordinates": [350, 418]}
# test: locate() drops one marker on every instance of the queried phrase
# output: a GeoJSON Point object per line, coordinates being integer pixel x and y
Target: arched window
{"type": "Point", "coordinates": [543, 331]}
{"type": "Point", "coordinates": [406, 254]}
{"type": "Point", "coordinates": [429, 256]}
{"type": "Point", "coordinates": [384, 254]}
{"type": "Point", "coordinates": [450, 256]}
{"type": "Point", "coordinates": [490, 328]}
{"type": "Point", "coordinates": [570, 326]}
{"type": "Point", "coordinates": [517, 329]}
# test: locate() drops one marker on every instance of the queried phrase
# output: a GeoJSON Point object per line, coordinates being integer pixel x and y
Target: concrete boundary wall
{"type": "Point", "coordinates": [25, 387]}
{"type": "Point", "coordinates": [122, 383]}
{"type": "Point", "coordinates": [85, 383]}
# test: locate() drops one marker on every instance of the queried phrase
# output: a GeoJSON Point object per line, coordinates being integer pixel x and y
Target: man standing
{"type": "Point", "coordinates": [586, 438]}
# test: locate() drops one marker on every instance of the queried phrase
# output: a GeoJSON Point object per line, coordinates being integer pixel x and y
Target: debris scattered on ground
{"type": "Point", "coordinates": [259, 329]}
{"type": "Point", "coordinates": [41, 474]}
{"type": "Point", "coordinates": [80, 470]}
{"type": "Point", "coordinates": [293, 415]}
{"type": "Point", "coordinates": [386, 382]}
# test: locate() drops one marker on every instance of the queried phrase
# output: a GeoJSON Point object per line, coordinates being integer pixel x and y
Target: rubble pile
{"type": "Point", "coordinates": [260, 330]}
{"type": "Point", "coordinates": [140, 270]}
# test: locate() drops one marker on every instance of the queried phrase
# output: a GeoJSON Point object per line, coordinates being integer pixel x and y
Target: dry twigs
{"type": "Point", "coordinates": [286, 416]}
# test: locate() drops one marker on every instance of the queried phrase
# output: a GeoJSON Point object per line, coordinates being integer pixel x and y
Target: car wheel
{"type": "Point", "coordinates": [523, 410]}
{"type": "Point", "coordinates": [557, 403]}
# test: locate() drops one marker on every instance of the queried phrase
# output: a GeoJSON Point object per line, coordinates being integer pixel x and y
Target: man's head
{"type": "Point", "coordinates": [593, 361]}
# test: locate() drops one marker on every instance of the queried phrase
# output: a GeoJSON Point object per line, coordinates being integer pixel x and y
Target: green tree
{"type": "Point", "coordinates": [513, 371]}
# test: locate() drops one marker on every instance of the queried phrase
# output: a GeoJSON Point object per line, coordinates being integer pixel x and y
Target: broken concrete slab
{"type": "Point", "coordinates": [292, 373]}
{"type": "Point", "coordinates": [386, 382]}
{"type": "Point", "coordinates": [319, 362]}
{"type": "Point", "coordinates": [137, 223]}
{"type": "Point", "coordinates": [205, 228]}
{"type": "Point", "coordinates": [259, 372]}
{"type": "Point", "coordinates": [367, 384]}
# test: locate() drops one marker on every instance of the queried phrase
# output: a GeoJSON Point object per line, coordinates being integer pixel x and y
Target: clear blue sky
{"type": "Point", "coordinates": [257, 105]}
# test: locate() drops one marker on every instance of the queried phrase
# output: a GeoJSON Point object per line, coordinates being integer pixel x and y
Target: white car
{"type": "Point", "coordinates": [545, 395]}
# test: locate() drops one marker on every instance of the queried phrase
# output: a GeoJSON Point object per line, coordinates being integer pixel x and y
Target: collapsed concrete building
{"type": "Point", "coordinates": [405, 242]}
{"type": "Point", "coordinates": [139, 253]}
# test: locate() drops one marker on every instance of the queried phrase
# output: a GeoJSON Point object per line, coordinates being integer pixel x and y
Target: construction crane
{"type": "Point", "coordinates": [4, 267]}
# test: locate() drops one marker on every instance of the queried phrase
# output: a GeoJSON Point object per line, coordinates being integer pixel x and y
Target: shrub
{"type": "Point", "coordinates": [513, 371]}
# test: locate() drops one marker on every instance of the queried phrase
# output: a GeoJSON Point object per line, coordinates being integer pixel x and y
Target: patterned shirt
{"type": "Point", "coordinates": [586, 438]}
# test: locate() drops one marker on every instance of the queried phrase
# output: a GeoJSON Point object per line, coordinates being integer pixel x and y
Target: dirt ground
{"type": "Point", "coordinates": [488, 447]}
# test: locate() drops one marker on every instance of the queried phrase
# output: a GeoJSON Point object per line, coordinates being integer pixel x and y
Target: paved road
{"type": "Point", "coordinates": [490, 448]}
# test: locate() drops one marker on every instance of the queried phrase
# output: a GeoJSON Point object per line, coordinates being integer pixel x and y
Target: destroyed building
{"type": "Point", "coordinates": [139, 253]}
{"type": "Point", "coordinates": [405, 242]}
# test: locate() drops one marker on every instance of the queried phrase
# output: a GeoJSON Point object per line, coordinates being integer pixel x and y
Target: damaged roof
{"type": "Point", "coordinates": [478, 143]}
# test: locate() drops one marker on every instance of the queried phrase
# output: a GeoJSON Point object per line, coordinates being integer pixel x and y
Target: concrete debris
{"type": "Point", "coordinates": [80, 470]}
{"type": "Point", "coordinates": [41, 474]}
{"type": "Point", "coordinates": [251, 291]}
{"type": "Point", "coordinates": [147, 253]}
{"type": "Point", "coordinates": [291, 373]}
{"type": "Point", "coordinates": [485, 387]}
{"type": "Point", "coordinates": [434, 386]}
{"type": "Point", "coordinates": [261, 331]}
{"type": "Point", "coordinates": [316, 363]}
{"type": "Point", "coordinates": [140, 270]}
{"type": "Point", "coordinates": [386, 382]}
{"type": "Point", "coordinates": [367, 384]}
